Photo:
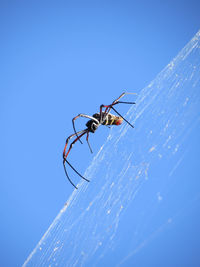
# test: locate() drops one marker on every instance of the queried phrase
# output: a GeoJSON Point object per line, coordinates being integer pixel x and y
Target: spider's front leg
{"type": "Point", "coordinates": [83, 116]}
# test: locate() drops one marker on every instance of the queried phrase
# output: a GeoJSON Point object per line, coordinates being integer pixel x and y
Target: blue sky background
{"type": "Point", "coordinates": [59, 59]}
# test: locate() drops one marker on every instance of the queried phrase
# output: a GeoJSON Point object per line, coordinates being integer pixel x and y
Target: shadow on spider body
{"type": "Point", "coordinates": [96, 120]}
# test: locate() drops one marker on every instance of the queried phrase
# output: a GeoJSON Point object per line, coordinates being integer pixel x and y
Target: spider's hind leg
{"type": "Point", "coordinates": [65, 155]}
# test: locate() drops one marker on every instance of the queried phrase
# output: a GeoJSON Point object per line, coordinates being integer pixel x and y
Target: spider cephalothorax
{"type": "Point", "coordinates": [97, 119]}
{"type": "Point", "coordinates": [92, 126]}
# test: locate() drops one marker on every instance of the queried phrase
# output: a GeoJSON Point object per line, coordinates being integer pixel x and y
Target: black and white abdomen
{"type": "Point", "coordinates": [109, 119]}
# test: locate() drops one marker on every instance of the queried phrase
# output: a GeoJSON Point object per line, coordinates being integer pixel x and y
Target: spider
{"type": "Point", "coordinates": [101, 118]}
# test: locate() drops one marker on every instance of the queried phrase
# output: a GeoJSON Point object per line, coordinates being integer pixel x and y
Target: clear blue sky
{"type": "Point", "coordinates": [59, 59]}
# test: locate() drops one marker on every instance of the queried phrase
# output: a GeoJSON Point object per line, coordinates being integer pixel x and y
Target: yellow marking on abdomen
{"type": "Point", "coordinates": [111, 123]}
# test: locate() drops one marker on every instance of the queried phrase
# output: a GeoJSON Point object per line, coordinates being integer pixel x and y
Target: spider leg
{"type": "Point", "coordinates": [88, 142]}
{"type": "Point", "coordinates": [68, 175]}
{"type": "Point", "coordinates": [65, 154]}
{"type": "Point", "coordinates": [122, 117]}
{"type": "Point", "coordinates": [67, 141]}
{"type": "Point", "coordinates": [76, 171]}
{"type": "Point", "coordinates": [122, 95]}
{"type": "Point", "coordinates": [84, 116]}
{"type": "Point", "coordinates": [123, 102]}
{"type": "Point", "coordinates": [116, 101]}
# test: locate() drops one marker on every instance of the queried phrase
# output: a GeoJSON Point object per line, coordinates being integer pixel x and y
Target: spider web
{"type": "Point", "coordinates": [136, 175]}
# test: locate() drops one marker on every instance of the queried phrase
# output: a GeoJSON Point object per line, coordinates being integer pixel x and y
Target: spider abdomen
{"type": "Point", "coordinates": [110, 119]}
